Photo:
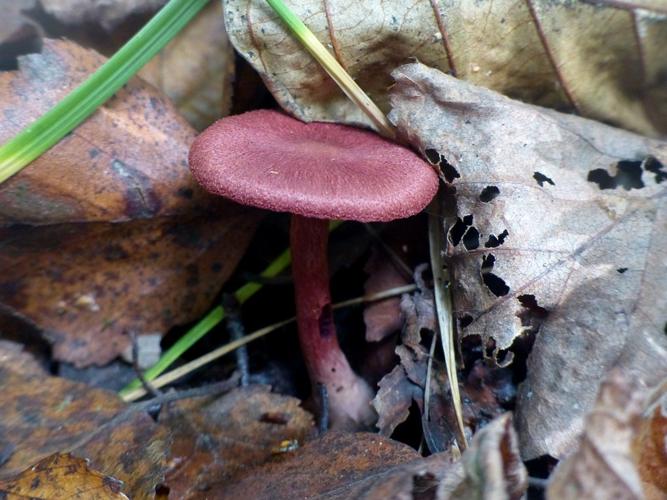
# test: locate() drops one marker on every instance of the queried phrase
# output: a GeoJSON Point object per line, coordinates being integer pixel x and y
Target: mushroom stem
{"type": "Point", "coordinates": [349, 395]}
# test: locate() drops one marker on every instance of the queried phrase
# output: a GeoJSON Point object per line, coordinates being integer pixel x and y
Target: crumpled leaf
{"type": "Point", "coordinates": [195, 70]}
{"type": "Point", "coordinates": [560, 227]}
{"type": "Point", "coordinates": [215, 439]}
{"type": "Point", "coordinates": [405, 384]}
{"type": "Point", "coordinates": [539, 51]}
{"type": "Point", "coordinates": [105, 13]}
{"type": "Point", "coordinates": [62, 476]}
{"type": "Point", "coordinates": [42, 415]}
{"type": "Point", "coordinates": [602, 466]}
{"type": "Point", "coordinates": [107, 232]}
{"type": "Point", "coordinates": [491, 468]}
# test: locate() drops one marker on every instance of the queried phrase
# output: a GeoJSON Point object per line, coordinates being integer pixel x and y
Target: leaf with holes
{"type": "Point", "coordinates": [107, 232]}
{"type": "Point", "coordinates": [539, 240]}
{"type": "Point", "coordinates": [539, 51]}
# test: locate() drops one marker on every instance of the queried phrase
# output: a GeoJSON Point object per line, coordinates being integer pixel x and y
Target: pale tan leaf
{"type": "Point", "coordinates": [106, 13]}
{"type": "Point", "coordinates": [602, 467]}
{"type": "Point", "coordinates": [545, 52]}
{"type": "Point", "coordinates": [559, 226]}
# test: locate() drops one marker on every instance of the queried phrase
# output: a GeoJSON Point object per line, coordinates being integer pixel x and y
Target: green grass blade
{"type": "Point", "coordinates": [73, 109]}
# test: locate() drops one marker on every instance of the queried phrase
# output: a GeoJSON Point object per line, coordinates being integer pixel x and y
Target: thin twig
{"type": "Point", "coordinates": [173, 375]}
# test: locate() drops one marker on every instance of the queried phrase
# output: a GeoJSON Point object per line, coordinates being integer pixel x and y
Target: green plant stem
{"type": "Point", "coordinates": [79, 104]}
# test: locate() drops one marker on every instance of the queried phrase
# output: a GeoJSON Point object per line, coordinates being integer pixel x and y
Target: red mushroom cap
{"type": "Point", "coordinates": [270, 160]}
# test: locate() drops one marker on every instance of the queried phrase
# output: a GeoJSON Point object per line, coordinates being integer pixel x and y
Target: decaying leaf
{"type": "Point", "coordinates": [560, 226]}
{"type": "Point", "coordinates": [649, 447]}
{"type": "Point", "coordinates": [491, 468]}
{"type": "Point", "coordinates": [105, 13]}
{"type": "Point", "coordinates": [107, 232]}
{"type": "Point", "coordinates": [602, 467]}
{"type": "Point", "coordinates": [43, 415]}
{"type": "Point", "coordinates": [539, 51]}
{"type": "Point", "coordinates": [195, 70]}
{"type": "Point", "coordinates": [340, 466]}
{"type": "Point", "coordinates": [216, 439]}
{"type": "Point", "coordinates": [62, 476]}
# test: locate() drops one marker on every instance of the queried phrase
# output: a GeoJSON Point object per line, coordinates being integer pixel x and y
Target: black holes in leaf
{"type": "Point", "coordinates": [495, 241]}
{"type": "Point", "coordinates": [653, 165]}
{"type": "Point", "coordinates": [457, 231]}
{"type": "Point", "coordinates": [532, 315]}
{"type": "Point", "coordinates": [471, 238]}
{"type": "Point", "coordinates": [621, 270]}
{"type": "Point", "coordinates": [494, 283]}
{"type": "Point", "coordinates": [447, 169]}
{"type": "Point", "coordinates": [628, 176]}
{"type": "Point", "coordinates": [530, 303]}
{"type": "Point", "coordinates": [541, 179]}
{"type": "Point", "coordinates": [489, 193]}
{"type": "Point", "coordinates": [432, 156]}
{"type": "Point", "coordinates": [467, 219]}
{"type": "Point", "coordinates": [465, 320]}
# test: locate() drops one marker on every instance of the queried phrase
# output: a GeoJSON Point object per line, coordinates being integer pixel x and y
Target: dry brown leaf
{"type": "Point", "coordinates": [195, 70]}
{"type": "Point", "coordinates": [490, 469]}
{"type": "Point", "coordinates": [602, 467]}
{"type": "Point", "coordinates": [62, 476]}
{"type": "Point", "coordinates": [649, 447]}
{"type": "Point", "coordinates": [382, 318]}
{"type": "Point", "coordinates": [540, 51]}
{"type": "Point", "coordinates": [107, 232]}
{"type": "Point", "coordinates": [105, 13]}
{"type": "Point", "coordinates": [42, 415]}
{"type": "Point", "coordinates": [339, 466]}
{"type": "Point", "coordinates": [217, 439]}
{"type": "Point", "coordinates": [560, 226]}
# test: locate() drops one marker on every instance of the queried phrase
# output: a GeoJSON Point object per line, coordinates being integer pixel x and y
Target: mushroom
{"type": "Point", "coordinates": [317, 172]}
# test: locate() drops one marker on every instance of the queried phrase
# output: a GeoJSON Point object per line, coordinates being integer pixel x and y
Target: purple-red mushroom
{"type": "Point", "coordinates": [317, 172]}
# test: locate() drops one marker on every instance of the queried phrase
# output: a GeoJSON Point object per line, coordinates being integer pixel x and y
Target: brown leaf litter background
{"type": "Point", "coordinates": [539, 51]}
{"type": "Point", "coordinates": [133, 244]}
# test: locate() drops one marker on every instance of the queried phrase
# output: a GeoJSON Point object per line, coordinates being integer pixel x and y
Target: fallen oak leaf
{"type": "Point", "coordinates": [107, 232]}
{"type": "Point", "coordinates": [542, 52]}
{"type": "Point", "coordinates": [559, 228]}
{"type": "Point", "coordinates": [62, 476]}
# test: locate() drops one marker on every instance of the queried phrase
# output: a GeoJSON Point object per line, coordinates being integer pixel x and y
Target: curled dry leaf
{"type": "Point", "coordinates": [539, 51]}
{"type": "Point", "coordinates": [106, 13]}
{"type": "Point", "coordinates": [195, 70]}
{"type": "Point", "coordinates": [62, 476]}
{"type": "Point", "coordinates": [107, 232]}
{"type": "Point", "coordinates": [491, 468]}
{"type": "Point", "coordinates": [216, 439]}
{"type": "Point", "coordinates": [42, 415]}
{"type": "Point", "coordinates": [602, 467]}
{"type": "Point", "coordinates": [560, 226]}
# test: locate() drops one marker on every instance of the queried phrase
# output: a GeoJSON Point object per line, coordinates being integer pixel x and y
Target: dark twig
{"type": "Point", "coordinates": [148, 387]}
{"type": "Point", "coordinates": [324, 408]}
{"type": "Point", "coordinates": [237, 332]}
